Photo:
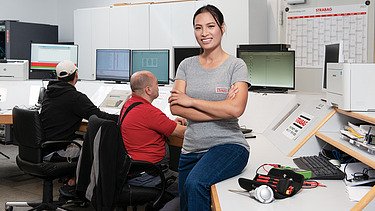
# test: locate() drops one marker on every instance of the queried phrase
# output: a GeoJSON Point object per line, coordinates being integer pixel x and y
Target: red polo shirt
{"type": "Point", "coordinates": [144, 130]}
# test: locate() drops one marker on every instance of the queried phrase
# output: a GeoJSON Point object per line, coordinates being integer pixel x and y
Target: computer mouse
{"type": "Point", "coordinates": [335, 162]}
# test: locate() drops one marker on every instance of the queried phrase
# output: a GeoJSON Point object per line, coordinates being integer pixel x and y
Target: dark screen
{"type": "Point", "coordinates": [182, 53]}
{"type": "Point", "coordinates": [332, 55]}
{"type": "Point", "coordinates": [2, 44]}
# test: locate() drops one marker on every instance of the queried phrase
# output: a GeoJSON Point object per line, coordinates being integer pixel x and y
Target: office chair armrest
{"type": "Point", "coordinates": [137, 167]}
{"type": "Point", "coordinates": [59, 143]}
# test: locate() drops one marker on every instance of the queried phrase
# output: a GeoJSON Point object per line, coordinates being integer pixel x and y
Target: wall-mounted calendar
{"type": "Point", "coordinates": [309, 29]}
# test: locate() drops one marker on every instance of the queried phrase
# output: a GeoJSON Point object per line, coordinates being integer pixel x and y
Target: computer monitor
{"type": "Point", "coordinates": [2, 42]}
{"type": "Point", "coordinates": [270, 71]}
{"type": "Point", "coordinates": [45, 57]}
{"type": "Point", "coordinates": [155, 61]}
{"type": "Point", "coordinates": [333, 53]}
{"type": "Point", "coordinates": [113, 65]}
{"type": "Point", "coordinates": [181, 53]}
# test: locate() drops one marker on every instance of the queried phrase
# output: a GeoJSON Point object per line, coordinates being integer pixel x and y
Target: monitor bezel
{"type": "Point", "coordinates": [324, 65]}
{"type": "Point", "coordinates": [270, 88]}
{"type": "Point", "coordinates": [115, 79]}
{"type": "Point", "coordinates": [48, 73]}
{"type": "Point", "coordinates": [151, 50]}
{"type": "Point", "coordinates": [183, 47]}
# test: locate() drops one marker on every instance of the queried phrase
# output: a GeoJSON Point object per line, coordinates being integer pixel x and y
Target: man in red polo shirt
{"type": "Point", "coordinates": [145, 128]}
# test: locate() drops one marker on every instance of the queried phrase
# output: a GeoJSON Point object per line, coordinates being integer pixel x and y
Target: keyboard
{"type": "Point", "coordinates": [320, 167]}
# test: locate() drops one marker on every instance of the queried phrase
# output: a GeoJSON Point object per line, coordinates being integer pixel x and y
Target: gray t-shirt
{"type": "Point", "coordinates": [211, 85]}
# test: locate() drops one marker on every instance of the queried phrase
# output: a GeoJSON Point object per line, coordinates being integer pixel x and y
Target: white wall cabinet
{"type": "Point", "coordinates": [83, 38]}
{"type": "Point", "coordinates": [182, 23]}
{"type": "Point", "coordinates": [139, 26]}
{"type": "Point", "coordinates": [152, 26]}
{"type": "Point", "coordinates": [91, 31]}
{"type": "Point", "coordinates": [161, 26]}
{"type": "Point", "coordinates": [119, 27]}
{"type": "Point", "coordinates": [100, 34]}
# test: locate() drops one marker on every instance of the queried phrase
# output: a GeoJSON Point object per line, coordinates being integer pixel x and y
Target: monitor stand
{"type": "Point", "coordinates": [115, 82]}
{"type": "Point", "coordinates": [268, 90]}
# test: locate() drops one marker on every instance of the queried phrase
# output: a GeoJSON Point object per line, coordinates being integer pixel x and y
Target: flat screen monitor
{"type": "Point", "coordinates": [2, 42]}
{"type": "Point", "coordinates": [45, 57]}
{"type": "Point", "coordinates": [270, 71]}
{"type": "Point", "coordinates": [181, 53]}
{"type": "Point", "coordinates": [113, 65]}
{"type": "Point", "coordinates": [332, 54]}
{"type": "Point", "coordinates": [155, 61]}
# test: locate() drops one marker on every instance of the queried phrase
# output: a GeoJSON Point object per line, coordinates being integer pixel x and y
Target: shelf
{"type": "Point", "coordinates": [335, 140]}
{"type": "Point", "coordinates": [364, 116]}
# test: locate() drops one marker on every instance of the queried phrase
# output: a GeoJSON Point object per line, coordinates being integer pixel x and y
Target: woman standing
{"type": "Point", "coordinates": [211, 92]}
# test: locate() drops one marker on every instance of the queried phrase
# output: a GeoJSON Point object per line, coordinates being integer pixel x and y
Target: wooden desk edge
{"type": "Point", "coordinates": [6, 119]}
{"type": "Point", "coordinates": [365, 200]}
{"type": "Point", "coordinates": [215, 203]}
{"type": "Point", "coordinates": [175, 141]}
{"type": "Point", "coordinates": [313, 132]}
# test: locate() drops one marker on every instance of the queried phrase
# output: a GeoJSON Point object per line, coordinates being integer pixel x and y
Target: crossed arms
{"type": "Point", "coordinates": [202, 110]}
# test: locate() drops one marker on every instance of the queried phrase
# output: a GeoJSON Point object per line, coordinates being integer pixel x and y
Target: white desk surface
{"type": "Point", "coordinates": [333, 197]}
{"type": "Point", "coordinates": [260, 112]}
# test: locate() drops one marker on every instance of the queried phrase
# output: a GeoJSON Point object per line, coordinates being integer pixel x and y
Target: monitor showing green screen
{"type": "Point", "coordinates": [269, 70]}
{"type": "Point", "coordinates": [155, 61]}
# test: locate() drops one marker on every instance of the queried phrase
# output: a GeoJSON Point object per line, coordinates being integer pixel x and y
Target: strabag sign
{"type": "Point", "coordinates": [298, 125]}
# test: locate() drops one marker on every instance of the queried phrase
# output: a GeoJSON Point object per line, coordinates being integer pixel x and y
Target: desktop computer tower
{"type": "Point", "coordinates": [6, 136]}
{"type": "Point", "coordinates": [16, 38]}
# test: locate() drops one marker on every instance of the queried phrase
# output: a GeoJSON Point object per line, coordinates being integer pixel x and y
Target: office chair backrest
{"type": "Point", "coordinates": [103, 143]}
{"type": "Point", "coordinates": [28, 133]}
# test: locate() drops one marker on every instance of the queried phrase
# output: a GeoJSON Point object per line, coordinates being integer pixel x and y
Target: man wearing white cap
{"type": "Point", "coordinates": [63, 108]}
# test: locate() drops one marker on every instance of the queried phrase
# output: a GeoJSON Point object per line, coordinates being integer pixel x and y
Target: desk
{"type": "Point", "coordinates": [333, 197]}
{"type": "Point", "coordinates": [8, 120]}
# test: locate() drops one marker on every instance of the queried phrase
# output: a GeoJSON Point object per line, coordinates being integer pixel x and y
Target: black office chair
{"type": "Point", "coordinates": [28, 132]}
{"type": "Point", "coordinates": [103, 144]}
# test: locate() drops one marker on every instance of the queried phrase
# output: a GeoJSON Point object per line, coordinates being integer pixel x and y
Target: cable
{"type": "Point", "coordinates": [267, 164]}
{"type": "Point", "coordinates": [309, 184]}
{"type": "Point", "coordinates": [346, 175]}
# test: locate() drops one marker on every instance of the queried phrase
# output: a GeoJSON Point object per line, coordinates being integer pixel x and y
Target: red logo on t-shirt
{"type": "Point", "coordinates": [221, 90]}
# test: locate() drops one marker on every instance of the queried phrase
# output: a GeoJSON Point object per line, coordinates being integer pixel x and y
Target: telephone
{"type": "Point", "coordinates": [115, 99]}
{"type": "Point", "coordinates": [42, 93]}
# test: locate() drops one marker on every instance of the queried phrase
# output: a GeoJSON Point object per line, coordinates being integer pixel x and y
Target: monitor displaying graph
{"type": "Point", "coordinates": [45, 57]}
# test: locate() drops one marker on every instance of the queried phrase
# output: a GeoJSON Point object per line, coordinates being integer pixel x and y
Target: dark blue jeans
{"type": "Point", "coordinates": [198, 171]}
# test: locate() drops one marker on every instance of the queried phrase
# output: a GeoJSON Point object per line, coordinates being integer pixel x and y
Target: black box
{"type": "Point", "coordinates": [265, 47]}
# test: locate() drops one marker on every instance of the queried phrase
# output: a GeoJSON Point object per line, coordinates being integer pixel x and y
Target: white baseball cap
{"type": "Point", "coordinates": [65, 68]}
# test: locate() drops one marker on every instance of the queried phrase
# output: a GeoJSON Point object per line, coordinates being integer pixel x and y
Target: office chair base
{"type": "Point", "coordinates": [34, 206]}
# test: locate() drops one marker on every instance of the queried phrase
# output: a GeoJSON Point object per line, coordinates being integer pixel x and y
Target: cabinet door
{"type": "Point", "coordinates": [139, 26]}
{"type": "Point", "coordinates": [236, 17]}
{"type": "Point", "coordinates": [119, 27]}
{"type": "Point", "coordinates": [82, 37]}
{"type": "Point", "coordinates": [100, 33]}
{"type": "Point", "coordinates": [160, 26]}
{"type": "Point", "coordinates": [182, 24]}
